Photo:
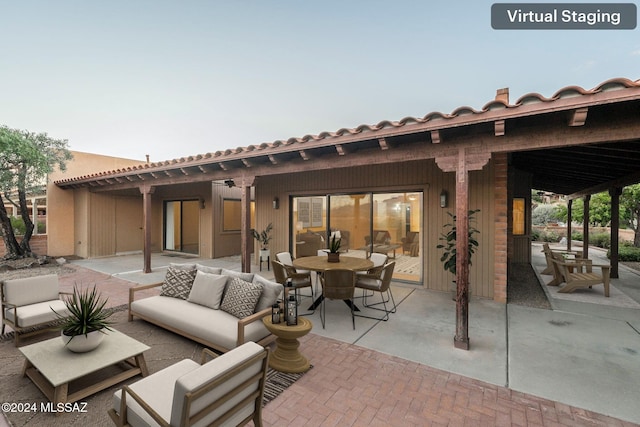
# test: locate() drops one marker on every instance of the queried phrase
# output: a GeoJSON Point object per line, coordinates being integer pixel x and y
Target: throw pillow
{"type": "Point", "coordinates": [207, 289]}
{"type": "Point", "coordinates": [241, 298]}
{"type": "Point", "coordinates": [177, 283]}
{"type": "Point", "coordinates": [270, 292]}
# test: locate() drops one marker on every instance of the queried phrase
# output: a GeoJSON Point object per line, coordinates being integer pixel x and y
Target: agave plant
{"type": "Point", "coordinates": [334, 245]}
{"type": "Point", "coordinates": [86, 313]}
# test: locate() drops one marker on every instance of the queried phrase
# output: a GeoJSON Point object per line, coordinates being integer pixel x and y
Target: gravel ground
{"type": "Point", "coordinates": [524, 288]}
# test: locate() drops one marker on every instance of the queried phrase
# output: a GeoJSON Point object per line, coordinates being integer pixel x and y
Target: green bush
{"type": "Point", "coordinates": [601, 240]}
{"type": "Point", "coordinates": [627, 253]}
{"type": "Point", "coordinates": [545, 236]}
{"type": "Point", "coordinates": [576, 235]}
{"type": "Point", "coordinates": [535, 235]}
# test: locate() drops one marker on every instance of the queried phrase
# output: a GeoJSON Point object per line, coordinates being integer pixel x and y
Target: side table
{"type": "Point", "coordinates": [286, 357]}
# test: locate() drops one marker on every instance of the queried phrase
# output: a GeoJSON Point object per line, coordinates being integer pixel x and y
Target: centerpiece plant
{"type": "Point", "coordinates": [87, 315]}
{"type": "Point", "coordinates": [334, 249]}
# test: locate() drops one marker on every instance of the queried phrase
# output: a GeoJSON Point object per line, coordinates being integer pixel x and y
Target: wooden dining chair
{"type": "Point", "coordinates": [337, 284]}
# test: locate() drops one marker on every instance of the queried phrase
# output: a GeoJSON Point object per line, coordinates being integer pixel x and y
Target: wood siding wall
{"type": "Point", "coordinates": [419, 175]}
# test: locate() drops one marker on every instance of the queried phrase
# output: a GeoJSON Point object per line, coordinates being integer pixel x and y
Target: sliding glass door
{"type": "Point", "coordinates": [182, 226]}
{"type": "Point", "coordinates": [388, 223]}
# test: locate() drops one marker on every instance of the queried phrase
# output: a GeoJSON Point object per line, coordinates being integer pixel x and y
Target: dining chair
{"type": "Point", "coordinates": [381, 284]}
{"type": "Point", "coordinates": [337, 284]}
{"type": "Point", "coordinates": [286, 259]}
{"type": "Point", "coordinates": [298, 280]}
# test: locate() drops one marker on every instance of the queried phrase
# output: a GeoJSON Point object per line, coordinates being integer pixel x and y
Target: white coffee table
{"type": "Point", "coordinates": [52, 367]}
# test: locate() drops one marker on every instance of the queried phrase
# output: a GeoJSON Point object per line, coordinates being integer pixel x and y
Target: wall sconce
{"type": "Point", "coordinates": [230, 183]}
{"type": "Point", "coordinates": [276, 203]}
{"type": "Point", "coordinates": [444, 196]}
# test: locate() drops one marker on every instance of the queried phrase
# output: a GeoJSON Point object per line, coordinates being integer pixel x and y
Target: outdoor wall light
{"type": "Point", "coordinates": [276, 203]}
{"type": "Point", "coordinates": [230, 183]}
{"type": "Point", "coordinates": [444, 196]}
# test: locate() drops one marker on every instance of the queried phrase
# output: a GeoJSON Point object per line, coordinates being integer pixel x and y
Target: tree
{"type": "Point", "coordinates": [630, 210]}
{"type": "Point", "coordinates": [25, 160]}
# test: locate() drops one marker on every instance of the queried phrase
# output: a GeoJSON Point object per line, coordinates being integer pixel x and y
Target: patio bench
{"type": "Point", "coordinates": [579, 274]}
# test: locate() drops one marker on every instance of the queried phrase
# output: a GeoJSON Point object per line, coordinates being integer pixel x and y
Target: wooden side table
{"type": "Point", "coordinates": [286, 357]}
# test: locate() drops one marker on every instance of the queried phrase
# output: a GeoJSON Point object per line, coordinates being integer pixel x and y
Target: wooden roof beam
{"type": "Point", "coordinates": [273, 159]}
{"type": "Point", "coordinates": [223, 166]}
{"type": "Point", "coordinates": [383, 144]}
{"type": "Point", "coordinates": [578, 116]}
{"type": "Point", "coordinates": [184, 171]}
{"type": "Point", "coordinates": [246, 163]}
{"type": "Point", "coordinates": [499, 127]}
{"type": "Point", "coordinates": [304, 154]}
{"type": "Point", "coordinates": [435, 137]}
{"type": "Point", "coordinates": [340, 149]}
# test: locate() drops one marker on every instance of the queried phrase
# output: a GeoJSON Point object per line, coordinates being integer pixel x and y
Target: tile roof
{"type": "Point", "coordinates": [529, 104]}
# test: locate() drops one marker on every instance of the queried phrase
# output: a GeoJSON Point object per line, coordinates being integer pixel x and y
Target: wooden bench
{"type": "Point", "coordinates": [578, 274]}
{"type": "Point", "coordinates": [548, 254]}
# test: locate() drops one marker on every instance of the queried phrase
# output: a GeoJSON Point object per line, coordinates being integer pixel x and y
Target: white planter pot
{"type": "Point", "coordinates": [264, 254]}
{"type": "Point", "coordinates": [83, 343]}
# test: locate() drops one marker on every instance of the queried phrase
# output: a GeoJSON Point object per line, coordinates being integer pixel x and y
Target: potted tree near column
{"type": "Point", "coordinates": [263, 238]}
{"type": "Point", "coordinates": [448, 244]}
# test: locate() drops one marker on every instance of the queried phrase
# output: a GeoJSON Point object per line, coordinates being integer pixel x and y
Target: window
{"type": "Point", "coordinates": [518, 216]}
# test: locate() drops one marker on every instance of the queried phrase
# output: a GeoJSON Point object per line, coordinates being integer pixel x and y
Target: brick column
{"type": "Point", "coordinates": [500, 166]}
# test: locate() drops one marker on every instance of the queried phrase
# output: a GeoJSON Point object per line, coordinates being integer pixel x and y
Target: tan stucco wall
{"type": "Point", "coordinates": [418, 175]}
{"type": "Point", "coordinates": [65, 216]}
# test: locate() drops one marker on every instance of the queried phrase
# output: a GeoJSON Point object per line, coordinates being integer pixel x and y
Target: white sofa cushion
{"type": "Point", "coordinates": [207, 289]}
{"type": "Point", "coordinates": [209, 372]}
{"type": "Point", "coordinates": [35, 314]}
{"type": "Point", "coordinates": [31, 290]}
{"type": "Point", "coordinates": [207, 269]}
{"type": "Point", "coordinates": [241, 297]}
{"type": "Point", "coordinates": [214, 326]}
{"type": "Point", "coordinates": [233, 274]}
{"type": "Point", "coordinates": [271, 291]}
{"type": "Point", "coordinates": [157, 391]}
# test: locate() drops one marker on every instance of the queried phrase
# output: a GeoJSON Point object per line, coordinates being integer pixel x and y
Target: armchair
{"type": "Point", "coordinates": [228, 390]}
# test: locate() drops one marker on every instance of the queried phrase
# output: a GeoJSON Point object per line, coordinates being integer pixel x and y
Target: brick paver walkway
{"type": "Point", "coordinates": [354, 386]}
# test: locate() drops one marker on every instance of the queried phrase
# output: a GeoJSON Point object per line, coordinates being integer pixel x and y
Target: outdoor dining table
{"type": "Point", "coordinates": [321, 263]}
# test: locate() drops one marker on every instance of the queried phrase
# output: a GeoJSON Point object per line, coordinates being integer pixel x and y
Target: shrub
{"type": "Point", "coordinates": [576, 235]}
{"type": "Point", "coordinates": [627, 253]}
{"type": "Point", "coordinates": [535, 235]}
{"type": "Point", "coordinates": [601, 240]}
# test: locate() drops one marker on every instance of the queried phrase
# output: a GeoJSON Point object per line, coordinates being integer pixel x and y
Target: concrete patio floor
{"type": "Point", "coordinates": [539, 367]}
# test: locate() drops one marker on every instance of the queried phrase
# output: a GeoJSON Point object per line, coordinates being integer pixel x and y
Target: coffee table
{"type": "Point", "coordinates": [52, 367]}
{"type": "Point", "coordinates": [286, 357]}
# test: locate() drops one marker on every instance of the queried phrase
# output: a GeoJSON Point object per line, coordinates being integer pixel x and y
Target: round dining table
{"type": "Point", "coordinates": [321, 263]}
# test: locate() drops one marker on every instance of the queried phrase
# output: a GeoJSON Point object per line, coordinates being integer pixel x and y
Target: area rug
{"type": "Point", "coordinates": [166, 348]}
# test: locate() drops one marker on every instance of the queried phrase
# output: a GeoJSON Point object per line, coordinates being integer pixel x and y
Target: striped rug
{"type": "Point", "coordinates": [276, 383]}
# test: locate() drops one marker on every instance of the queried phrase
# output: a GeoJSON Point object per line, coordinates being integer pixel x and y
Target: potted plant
{"type": "Point", "coordinates": [263, 238]}
{"type": "Point", "coordinates": [84, 328]}
{"type": "Point", "coordinates": [448, 246]}
{"type": "Point", "coordinates": [334, 249]}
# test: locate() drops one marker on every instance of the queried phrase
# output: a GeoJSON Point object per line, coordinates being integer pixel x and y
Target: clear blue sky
{"type": "Point", "coordinates": [177, 78]}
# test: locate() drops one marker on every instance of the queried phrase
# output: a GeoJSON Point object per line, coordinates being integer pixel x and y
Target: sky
{"type": "Point", "coordinates": [171, 79]}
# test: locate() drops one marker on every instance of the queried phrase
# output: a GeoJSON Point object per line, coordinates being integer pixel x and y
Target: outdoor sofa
{"type": "Point", "coordinates": [219, 308]}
